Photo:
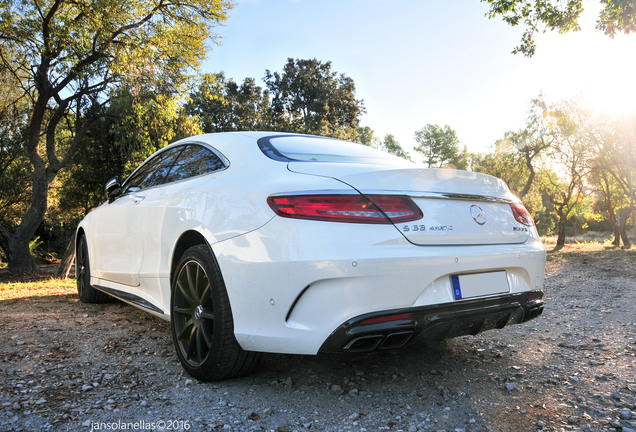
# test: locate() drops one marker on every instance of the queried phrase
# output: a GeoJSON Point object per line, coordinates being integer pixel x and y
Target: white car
{"type": "Point", "coordinates": [252, 242]}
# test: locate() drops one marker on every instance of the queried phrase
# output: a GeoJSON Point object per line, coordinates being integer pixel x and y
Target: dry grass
{"type": "Point", "coordinates": [40, 284]}
{"type": "Point", "coordinates": [592, 239]}
{"type": "Point", "coordinates": [600, 249]}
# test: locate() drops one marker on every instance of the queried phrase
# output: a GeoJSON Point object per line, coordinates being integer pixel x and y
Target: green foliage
{"type": "Point", "coordinates": [308, 97]}
{"type": "Point", "coordinates": [503, 163]}
{"type": "Point", "coordinates": [145, 122]}
{"type": "Point", "coordinates": [515, 155]}
{"type": "Point", "coordinates": [67, 57]}
{"type": "Point", "coordinates": [537, 15]}
{"type": "Point", "coordinates": [152, 43]}
{"type": "Point", "coordinates": [222, 105]}
{"type": "Point", "coordinates": [616, 16]}
{"type": "Point", "coordinates": [570, 151]}
{"type": "Point", "coordinates": [15, 169]}
{"type": "Point", "coordinates": [441, 147]}
{"type": "Point", "coordinates": [391, 145]}
{"type": "Point", "coordinates": [121, 136]}
{"type": "Point", "coordinates": [366, 137]}
{"type": "Point", "coordinates": [612, 156]}
{"type": "Point", "coordinates": [33, 245]}
{"type": "Point", "coordinates": [506, 163]}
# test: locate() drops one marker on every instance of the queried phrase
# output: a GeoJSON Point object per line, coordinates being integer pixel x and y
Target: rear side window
{"type": "Point", "coordinates": [303, 148]}
{"type": "Point", "coordinates": [195, 160]}
{"type": "Point", "coordinates": [153, 172]}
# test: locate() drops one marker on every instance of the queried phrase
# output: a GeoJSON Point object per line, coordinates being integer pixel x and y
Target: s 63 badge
{"type": "Point", "coordinates": [406, 228]}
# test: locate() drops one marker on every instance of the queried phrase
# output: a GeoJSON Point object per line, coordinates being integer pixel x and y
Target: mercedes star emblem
{"type": "Point", "coordinates": [478, 214]}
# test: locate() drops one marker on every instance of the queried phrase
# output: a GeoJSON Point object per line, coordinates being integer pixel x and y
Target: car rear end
{"type": "Point", "coordinates": [391, 255]}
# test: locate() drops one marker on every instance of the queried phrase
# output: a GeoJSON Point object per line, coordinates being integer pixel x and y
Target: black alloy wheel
{"type": "Point", "coordinates": [85, 292]}
{"type": "Point", "coordinates": [193, 313]}
{"type": "Point", "coordinates": [201, 320]}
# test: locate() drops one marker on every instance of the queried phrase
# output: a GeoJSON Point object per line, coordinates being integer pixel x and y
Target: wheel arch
{"type": "Point", "coordinates": [186, 240]}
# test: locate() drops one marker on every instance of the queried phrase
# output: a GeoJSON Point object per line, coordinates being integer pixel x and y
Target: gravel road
{"type": "Point", "coordinates": [67, 366]}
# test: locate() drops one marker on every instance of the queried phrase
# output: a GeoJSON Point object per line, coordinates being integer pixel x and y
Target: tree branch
{"type": "Point", "coordinates": [54, 162]}
{"type": "Point", "coordinates": [100, 53]}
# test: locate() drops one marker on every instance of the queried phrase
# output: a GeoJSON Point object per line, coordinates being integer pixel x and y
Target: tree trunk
{"type": "Point", "coordinates": [626, 241]}
{"type": "Point", "coordinates": [615, 227]}
{"type": "Point", "coordinates": [19, 255]}
{"type": "Point", "coordinates": [20, 259]}
{"type": "Point", "coordinates": [561, 231]}
{"type": "Point", "coordinates": [624, 216]}
{"type": "Point", "coordinates": [528, 185]}
{"type": "Point", "coordinates": [67, 260]}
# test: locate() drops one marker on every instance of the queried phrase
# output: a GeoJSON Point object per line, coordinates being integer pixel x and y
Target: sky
{"type": "Point", "coordinates": [416, 62]}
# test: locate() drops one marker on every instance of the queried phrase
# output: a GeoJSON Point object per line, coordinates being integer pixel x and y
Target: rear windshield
{"type": "Point", "coordinates": [301, 148]}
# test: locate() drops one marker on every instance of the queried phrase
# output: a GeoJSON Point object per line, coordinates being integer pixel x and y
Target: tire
{"type": "Point", "coordinates": [201, 320]}
{"type": "Point", "coordinates": [85, 292]}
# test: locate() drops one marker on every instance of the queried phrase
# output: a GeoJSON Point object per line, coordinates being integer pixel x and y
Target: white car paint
{"type": "Point", "coordinates": [292, 282]}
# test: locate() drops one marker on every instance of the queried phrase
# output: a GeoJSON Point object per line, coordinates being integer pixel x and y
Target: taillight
{"type": "Point", "coordinates": [521, 214]}
{"type": "Point", "coordinates": [347, 208]}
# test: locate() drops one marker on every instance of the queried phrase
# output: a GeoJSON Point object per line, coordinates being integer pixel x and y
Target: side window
{"type": "Point", "coordinates": [158, 174]}
{"type": "Point", "coordinates": [153, 171]}
{"type": "Point", "coordinates": [195, 160]}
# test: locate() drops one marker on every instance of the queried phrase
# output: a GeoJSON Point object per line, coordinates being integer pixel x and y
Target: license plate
{"type": "Point", "coordinates": [479, 284]}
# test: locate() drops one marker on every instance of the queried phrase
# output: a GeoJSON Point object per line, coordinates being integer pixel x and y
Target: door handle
{"type": "Point", "coordinates": [138, 198]}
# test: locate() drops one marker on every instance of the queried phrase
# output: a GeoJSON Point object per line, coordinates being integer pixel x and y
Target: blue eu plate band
{"type": "Point", "coordinates": [457, 290]}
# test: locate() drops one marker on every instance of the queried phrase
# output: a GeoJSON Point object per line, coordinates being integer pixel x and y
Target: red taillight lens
{"type": "Point", "coordinates": [521, 214]}
{"type": "Point", "coordinates": [398, 208]}
{"type": "Point", "coordinates": [346, 208]}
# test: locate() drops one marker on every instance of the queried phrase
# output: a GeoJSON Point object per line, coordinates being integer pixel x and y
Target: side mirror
{"type": "Point", "coordinates": [113, 189]}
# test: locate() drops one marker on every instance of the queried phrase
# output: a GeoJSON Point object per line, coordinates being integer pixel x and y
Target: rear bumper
{"type": "Point", "coordinates": [370, 332]}
{"type": "Point", "coordinates": [293, 283]}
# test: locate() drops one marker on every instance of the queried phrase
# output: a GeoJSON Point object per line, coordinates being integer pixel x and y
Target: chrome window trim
{"type": "Point", "coordinates": [226, 163]}
{"type": "Point", "coordinates": [221, 156]}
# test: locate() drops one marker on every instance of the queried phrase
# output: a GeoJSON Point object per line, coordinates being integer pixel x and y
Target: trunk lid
{"type": "Point", "coordinates": [460, 207]}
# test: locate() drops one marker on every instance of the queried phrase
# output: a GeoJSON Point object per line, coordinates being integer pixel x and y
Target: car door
{"type": "Point", "coordinates": [120, 225]}
{"type": "Point", "coordinates": [174, 206]}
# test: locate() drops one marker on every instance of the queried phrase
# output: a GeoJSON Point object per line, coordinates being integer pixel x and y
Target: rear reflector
{"type": "Point", "coordinates": [386, 319]}
{"type": "Point", "coordinates": [371, 209]}
{"type": "Point", "coordinates": [521, 214]}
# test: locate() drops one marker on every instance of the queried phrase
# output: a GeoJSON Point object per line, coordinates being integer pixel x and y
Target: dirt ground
{"type": "Point", "coordinates": [69, 366]}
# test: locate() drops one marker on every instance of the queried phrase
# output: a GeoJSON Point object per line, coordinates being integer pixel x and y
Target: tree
{"type": "Point", "coordinates": [15, 169]}
{"type": "Point", "coordinates": [222, 105]}
{"type": "Point", "coordinates": [307, 97]}
{"type": "Point", "coordinates": [503, 163]}
{"type": "Point", "coordinates": [391, 145]}
{"type": "Point", "coordinates": [530, 142]}
{"type": "Point", "coordinates": [366, 136]}
{"type": "Point", "coordinates": [570, 154]}
{"type": "Point", "coordinates": [67, 55]}
{"type": "Point", "coordinates": [440, 146]}
{"type": "Point", "coordinates": [609, 172]}
{"type": "Point", "coordinates": [616, 16]}
{"type": "Point", "coordinates": [122, 135]}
